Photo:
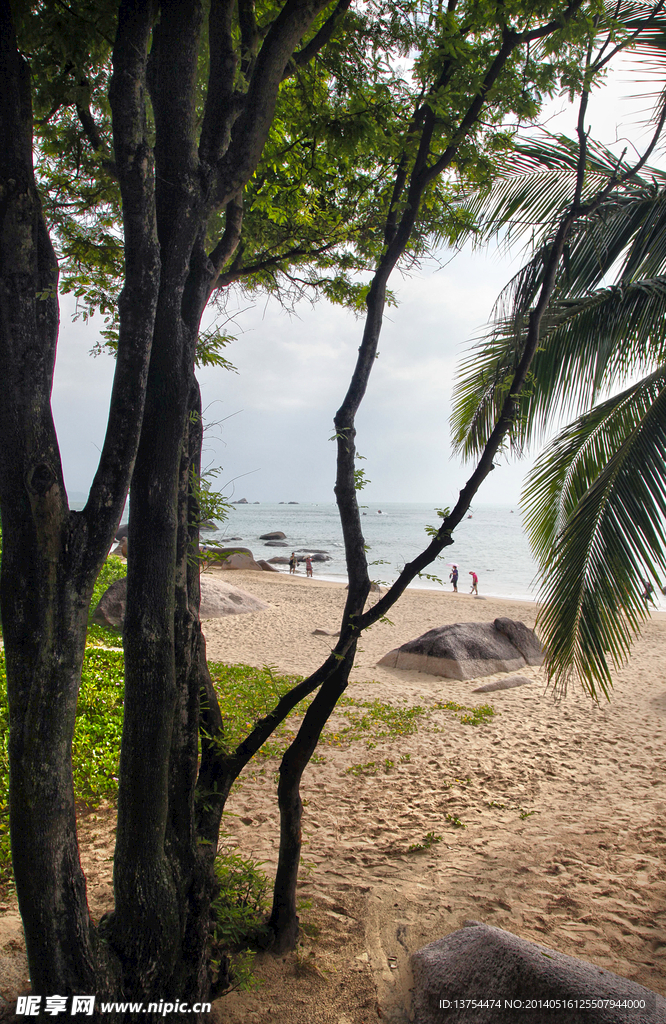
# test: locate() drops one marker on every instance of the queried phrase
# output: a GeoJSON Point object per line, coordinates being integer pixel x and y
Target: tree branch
{"type": "Point", "coordinates": [252, 127]}
{"type": "Point", "coordinates": [318, 41]}
{"type": "Point", "coordinates": [222, 103]}
{"type": "Point", "coordinates": [138, 299]}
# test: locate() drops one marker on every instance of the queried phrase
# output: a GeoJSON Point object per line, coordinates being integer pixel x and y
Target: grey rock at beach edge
{"type": "Point", "coordinates": [486, 963]}
{"type": "Point", "coordinates": [267, 565]}
{"type": "Point", "coordinates": [231, 558]}
{"type": "Point", "coordinates": [218, 598]}
{"type": "Point", "coordinates": [508, 683]}
{"type": "Point", "coordinates": [522, 637]}
{"type": "Point", "coordinates": [467, 650]}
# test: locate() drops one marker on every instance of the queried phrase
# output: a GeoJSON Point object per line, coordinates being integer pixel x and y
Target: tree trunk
{"type": "Point", "coordinates": [284, 918]}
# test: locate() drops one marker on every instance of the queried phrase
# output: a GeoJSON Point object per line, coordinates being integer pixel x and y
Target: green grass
{"type": "Point", "coordinates": [245, 695]}
{"type": "Point", "coordinates": [429, 840]}
{"type": "Point", "coordinates": [96, 747]}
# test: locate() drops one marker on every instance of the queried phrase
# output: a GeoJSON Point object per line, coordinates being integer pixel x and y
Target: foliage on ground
{"type": "Point", "coordinates": [245, 694]}
{"type": "Point", "coordinates": [238, 915]}
{"type": "Point", "coordinates": [96, 746]}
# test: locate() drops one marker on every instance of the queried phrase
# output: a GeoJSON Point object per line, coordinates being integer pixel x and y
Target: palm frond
{"type": "Point", "coordinates": [535, 183]}
{"type": "Point", "coordinates": [590, 339]}
{"type": "Point", "coordinates": [595, 508]}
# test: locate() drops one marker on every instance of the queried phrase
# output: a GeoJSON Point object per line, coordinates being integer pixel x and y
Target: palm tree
{"type": "Point", "coordinates": [595, 501]}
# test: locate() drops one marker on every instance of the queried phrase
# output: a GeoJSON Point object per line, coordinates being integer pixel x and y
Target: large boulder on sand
{"type": "Point", "coordinates": [231, 558]}
{"type": "Point", "coordinates": [239, 561]}
{"type": "Point", "coordinates": [522, 637]}
{"type": "Point", "coordinates": [218, 598]}
{"type": "Point", "coordinates": [467, 650]}
{"type": "Point", "coordinates": [488, 965]}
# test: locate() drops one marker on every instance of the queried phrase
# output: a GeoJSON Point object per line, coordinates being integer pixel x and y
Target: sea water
{"type": "Point", "coordinates": [491, 542]}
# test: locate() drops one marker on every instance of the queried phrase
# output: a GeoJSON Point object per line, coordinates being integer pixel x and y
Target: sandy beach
{"type": "Point", "coordinates": [549, 818]}
{"type": "Point", "coordinates": [563, 805]}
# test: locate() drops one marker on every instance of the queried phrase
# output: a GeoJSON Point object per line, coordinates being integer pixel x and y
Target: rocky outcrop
{"type": "Point", "coordinates": [275, 535]}
{"type": "Point", "coordinates": [120, 548]}
{"type": "Point", "coordinates": [522, 637]}
{"type": "Point", "coordinates": [266, 566]}
{"type": "Point", "coordinates": [219, 554]}
{"type": "Point", "coordinates": [488, 964]}
{"type": "Point", "coordinates": [507, 683]}
{"type": "Point", "coordinates": [238, 560]}
{"type": "Point", "coordinates": [465, 650]}
{"type": "Point", "coordinates": [279, 560]}
{"type": "Point", "coordinates": [218, 598]}
{"type": "Point", "coordinates": [275, 544]}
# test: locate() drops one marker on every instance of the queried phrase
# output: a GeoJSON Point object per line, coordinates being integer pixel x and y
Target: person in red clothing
{"type": "Point", "coordinates": [475, 581]}
{"type": "Point", "coordinates": [308, 566]}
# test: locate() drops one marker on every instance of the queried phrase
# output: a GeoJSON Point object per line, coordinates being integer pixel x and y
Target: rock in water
{"type": "Point", "coordinates": [466, 650]}
{"type": "Point", "coordinates": [218, 598]}
{"type": "Point", "coordinates": [488, 964]}
{"type": "Point", "coordinates": [275, 535]}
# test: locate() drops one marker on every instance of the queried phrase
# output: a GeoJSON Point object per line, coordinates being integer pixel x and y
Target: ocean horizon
{"type": "Point", "coordinates": [491, 542]}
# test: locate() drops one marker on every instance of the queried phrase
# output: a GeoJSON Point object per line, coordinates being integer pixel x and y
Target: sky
{"type": "Point", "coordinates": [270, 423]}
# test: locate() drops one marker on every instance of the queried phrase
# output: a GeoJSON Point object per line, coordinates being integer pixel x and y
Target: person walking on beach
{"type": "Point", "coordinates": [648, 592]}
{"type": "Point", "coordinates": [454, 578]}
{"type": "Point", "coordinates": [475, 581]}
{"type": "Point", "coordinates": [292, 562]}
{"type": "Point", "coordinates": [308, 566]}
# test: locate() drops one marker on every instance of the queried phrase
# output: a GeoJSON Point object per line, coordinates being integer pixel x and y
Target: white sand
{"type": "Point", "coordinates": [574, 859]}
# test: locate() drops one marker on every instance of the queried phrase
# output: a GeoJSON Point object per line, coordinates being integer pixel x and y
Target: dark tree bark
{"type": "Point", "coordinates": [284, 919]}
{"type": "Point", "coordinates": [51, 556]}
{"type": "Point", "coordinates": [163, 880]}
{"type": "Point", "coordinates": [157, 935]}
